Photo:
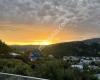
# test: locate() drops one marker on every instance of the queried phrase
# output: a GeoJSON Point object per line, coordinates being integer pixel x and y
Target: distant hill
{"type": "Point", "coordinates": [89, 47]}
{"type": "Point", "coordinates": [94, 40]}
{"type": "Point", "coordinates": [24, 48]}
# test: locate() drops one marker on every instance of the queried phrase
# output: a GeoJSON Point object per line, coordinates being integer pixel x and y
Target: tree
{"type": "Point", "coordinates": [4, 49]}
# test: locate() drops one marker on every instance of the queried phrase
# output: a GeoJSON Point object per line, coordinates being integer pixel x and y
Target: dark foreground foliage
{"type": "Point", "coordinates": [53, 70]}
{"type": "Point", "coordinates": [56, 70]}
{"type": "Point", "coordinates": [15, 66]}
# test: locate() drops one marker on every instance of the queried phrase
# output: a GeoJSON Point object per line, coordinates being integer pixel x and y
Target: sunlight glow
{"type": "Point", "coordinates": [41, 43]}
{"type": "Point", "coordinates": [31, 43]}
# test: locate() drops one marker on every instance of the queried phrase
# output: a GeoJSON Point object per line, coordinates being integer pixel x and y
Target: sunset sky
{"type": "Point", "coordinates": [48, 21]}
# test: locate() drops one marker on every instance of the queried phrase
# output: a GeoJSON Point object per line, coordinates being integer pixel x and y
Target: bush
{"type": "Point", "coordinates": [55, 70]}
{"type": "Point", "coordinates": [15, 66]}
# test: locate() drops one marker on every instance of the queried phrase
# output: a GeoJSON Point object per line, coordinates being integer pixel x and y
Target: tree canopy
{"type": "Point", "coordinates": [4, 49]}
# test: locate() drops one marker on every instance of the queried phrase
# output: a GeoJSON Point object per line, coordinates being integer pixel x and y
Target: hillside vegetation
{"type": "Point", "coordinates": [79, 48]}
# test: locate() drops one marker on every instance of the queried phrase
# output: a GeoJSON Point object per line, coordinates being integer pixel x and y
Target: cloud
{"type": "Point", "coordinates": [84, 14]}
{"type": "Point", "coordinates": [32, 11]}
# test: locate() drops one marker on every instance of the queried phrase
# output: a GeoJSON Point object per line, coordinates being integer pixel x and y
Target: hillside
{"type": "Point", "coordinates": [89, 47]}
{"type": "Point", "coordinates": [94, 40]}
{"type": "Point", "coordinates": [80, 48]}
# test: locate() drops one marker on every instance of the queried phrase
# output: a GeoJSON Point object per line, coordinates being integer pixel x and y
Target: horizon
{"type": "Point", "coordinates": [46, 44]}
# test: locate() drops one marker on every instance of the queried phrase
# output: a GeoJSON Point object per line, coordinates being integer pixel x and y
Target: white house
{"type": "Point", "coordinates": [86, 61]}
{"type": "Point", "coordinates": [51, 56]}
{"type": "Point", "coordinates": [14, 54]}
{"type": "Point", "coordinates": [77, 66]}
{"type": "Point", "coordinates": [65, 58]}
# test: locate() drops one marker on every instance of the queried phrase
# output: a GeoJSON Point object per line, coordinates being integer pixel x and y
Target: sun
{"type": "Point", "coordinates": [41, 43]}
{"type": "Point", "coordinates": [45, 43]}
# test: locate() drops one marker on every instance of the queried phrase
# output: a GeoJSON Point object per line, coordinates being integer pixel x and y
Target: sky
{"type": "Point", "coordinates": [53, 21]}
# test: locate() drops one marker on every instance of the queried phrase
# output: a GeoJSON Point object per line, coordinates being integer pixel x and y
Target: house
{"type": "Point", "coordinates": [51, 56]}
{"type": "Point", "coordinates": [72, 58]}
{"type": "Point", "coordinates": [14, 54]}
{"type": "Point", "coordinates": [35, 55]}
{"type": "Point", "coordinates": [65, 58]}
{"type": "Point", "coordinates": [77, 66]}
{"type": "Point", "coordinates": [93, 67]}
{"type": "Point", "coordinates": [84, 61]}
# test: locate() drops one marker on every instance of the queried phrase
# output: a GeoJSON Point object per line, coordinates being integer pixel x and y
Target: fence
{"type": "Point", "coordinates": [7, 76]}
